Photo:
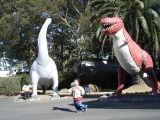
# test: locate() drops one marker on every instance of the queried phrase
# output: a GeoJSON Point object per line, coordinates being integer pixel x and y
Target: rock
{"type": "Point", "coordinates": [110, 100]}
{"type": "Point", "coordinates": [93, 88]}
{"type": "Point", "coordinates": [64, 90]}
{"type": "Point", "coordinates": [55, 97]}
{"type": "Point", "coordinates": [31, 100]}
{"type": "Point", "coordinates": [103, 98]}
{"type": "Point", "coordinates": [35, 98]}
{"type": "Point", "coordinates": [131, 98]}
{"type": "Point", "coordinates": [142, 99]}
{"type": "Point", "coordinates": [116, 100]}
{"type": "Point", "coordinates": [69, 97]}
{"type": "Point", "coordinates": [19, 100]}
{"type": "Point", "coordinates": [135, 100]}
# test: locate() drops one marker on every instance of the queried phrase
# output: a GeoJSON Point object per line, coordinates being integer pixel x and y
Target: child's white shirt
{"type": "Point", "coordinates": [77, 92]}
{"type": "Point", "coordinates": [26, 88]}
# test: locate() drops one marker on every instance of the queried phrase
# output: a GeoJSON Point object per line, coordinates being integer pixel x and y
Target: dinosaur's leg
{"type": "Point", "coordinates": [44, 88]}
{"type": "Point", "coordinates": [153, 79]}
{"type": "Point", "coordinates": [121, 80]}
{"type": "Point", "coordinates": [158, 83]}
{"type": "Point", "coordinates": [55, 83]}
{"type": "Point", "coordinates": [148, 68]}
{"type": "Point", "coordinates": [34, 78]}
{"type": "Point", "coordinates": [145, 78]}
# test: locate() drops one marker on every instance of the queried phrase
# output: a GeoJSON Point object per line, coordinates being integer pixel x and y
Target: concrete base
{"type": "Point", "coordinates": [131, 98]}
{"type": "Point", "coordinates": [41, 98]}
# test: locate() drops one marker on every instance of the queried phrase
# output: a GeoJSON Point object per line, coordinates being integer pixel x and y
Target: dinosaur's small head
{"type": "Point", "coordinates": [111, 25]}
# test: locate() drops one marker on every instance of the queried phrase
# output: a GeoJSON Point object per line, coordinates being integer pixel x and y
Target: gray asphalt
{"type": "Point", "coordinates": [64, 110]}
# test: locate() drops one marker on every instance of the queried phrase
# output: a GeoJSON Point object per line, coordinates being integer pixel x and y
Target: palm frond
{"type": "Point", "coordinates": [141, 18]}
{"type": "Point", "coordinates": [144, 24]}
{"type": "Point", "coordinates": [157, 41]}
{"type": "Point", "coordinates": [98, 32]}
{"type": "Point", "coordinates": [140, 4]}
{"type": "Point", "coordinates": [137, 29]}
{"type": "Point", "coordinates": [98, 2]}
{"type": "Point", "coordinates": [102, 45]}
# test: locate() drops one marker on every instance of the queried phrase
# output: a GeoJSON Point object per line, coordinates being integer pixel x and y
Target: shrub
{"type": "Point", "coordinates": [10, 86]}
{"type": "Point", "coordinates": [105, 80]}
{"type": "Point", "coordinates": [25, 78]}
{"type": "Point", "coordinates": [21, 73]}
{"type": "Point", "coordinates": [66, 78]}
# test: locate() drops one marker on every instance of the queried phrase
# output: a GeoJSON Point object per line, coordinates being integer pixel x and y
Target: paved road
{"type": "Point", "coordinates": [64, 110]}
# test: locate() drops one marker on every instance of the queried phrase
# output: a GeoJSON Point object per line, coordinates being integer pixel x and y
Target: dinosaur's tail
{"type": "Point", "coordinates": [42, 41]}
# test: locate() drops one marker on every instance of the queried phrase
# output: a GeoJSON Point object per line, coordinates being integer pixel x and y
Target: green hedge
{"type": "Point", "coordinates": [66, 78]}
{"type": "Point", "coordinates": [10, 86]}
{"type": "Point", "coordinates": [105, 80]}
{"type": "Point", "coordinates": [25, 78]}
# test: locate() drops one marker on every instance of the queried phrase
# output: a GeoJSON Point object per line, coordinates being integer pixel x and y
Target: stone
{"type": "Point", "coordinates": [64, 90]}
{"type": "Point", "coordinates": [35, 98]}
{"type": "Point", "coordinates": [103, 98]}
{"type": "Point", "coordinates": [93, 88]}
{"type": "Point", "coordinates": [116, 100]}
{"type": "Point", "coordinates": [142, 99]}
{"type": "Point", "coordinates": [106, 99]}
{"type": "Point", "coordinates": [131, 98]}
{"type": "Point", "coordinates": [55, 97]}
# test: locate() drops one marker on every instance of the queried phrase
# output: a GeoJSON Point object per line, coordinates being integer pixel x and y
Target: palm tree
{"type": "Point", "coordinates": [141, 19]}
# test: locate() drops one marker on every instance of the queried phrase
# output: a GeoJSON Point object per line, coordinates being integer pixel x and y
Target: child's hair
{"type": "Point", "coordinates": [77, 79]}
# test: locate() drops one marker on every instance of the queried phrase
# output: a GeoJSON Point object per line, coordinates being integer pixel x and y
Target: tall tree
{"type": "Point", "coordinates": [141, 19]}
{"type": "Point", "coordinates": [21, 21]}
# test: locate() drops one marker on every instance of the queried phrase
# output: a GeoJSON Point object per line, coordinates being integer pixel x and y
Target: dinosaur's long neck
{"type": "Point", "coordinates": [119, 36]}
{"type": "Point", "coordinates": [122, 35]}
{"type": "Point", "coordinates": [42, 42]}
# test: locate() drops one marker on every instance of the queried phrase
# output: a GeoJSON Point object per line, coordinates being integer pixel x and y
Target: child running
{"type": "Point", "coordinates": [78, 92]}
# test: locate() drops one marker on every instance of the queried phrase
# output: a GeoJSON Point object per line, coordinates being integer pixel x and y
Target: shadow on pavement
{"type": "Point", "coordinates": [62, 109]}
{"type": "Point", "coordinates": [94, 104]}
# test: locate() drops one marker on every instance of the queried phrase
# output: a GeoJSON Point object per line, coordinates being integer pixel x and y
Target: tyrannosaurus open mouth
{"type": "Point", "coordinates": [111, 25]}
{"type": "Point", "coordinates": [106, 26]}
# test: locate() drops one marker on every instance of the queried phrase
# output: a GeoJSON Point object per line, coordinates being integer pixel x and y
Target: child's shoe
{"type": "Point", "coordinates": [85, 109]}
{"type": "Point", "coordinates": [79, 111]}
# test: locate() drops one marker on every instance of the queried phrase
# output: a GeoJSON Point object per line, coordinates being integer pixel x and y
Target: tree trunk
{"type": "Point", "coordinates": [159, 62]}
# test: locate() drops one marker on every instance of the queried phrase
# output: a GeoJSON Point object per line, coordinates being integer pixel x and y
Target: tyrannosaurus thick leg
{"type": "Point", "coordinates": [148, 79]}
{"type": "Point", "coordinates": [121, 80]}
{"type": "Point", "coordinates": [148, 68]}
{"type": "Point", "coordinates": [153, 78]}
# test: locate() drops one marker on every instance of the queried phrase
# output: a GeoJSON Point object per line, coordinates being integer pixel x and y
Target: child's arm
{"type": "Point", "coordinates": [82, 91]}
{"type": "Point", "coordinates": [69, 90]}
{"type": "Point", "coordinates": [31, 86]}
{"type": "Point", "coordinates": [23, 88]}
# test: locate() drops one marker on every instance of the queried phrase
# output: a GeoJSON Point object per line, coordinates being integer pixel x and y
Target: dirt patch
{"type": "Point", "coordinates": [137, 88]}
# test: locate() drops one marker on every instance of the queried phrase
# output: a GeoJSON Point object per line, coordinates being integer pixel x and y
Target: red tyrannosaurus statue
{"type": "Point", "coordinates": [130, 56]}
